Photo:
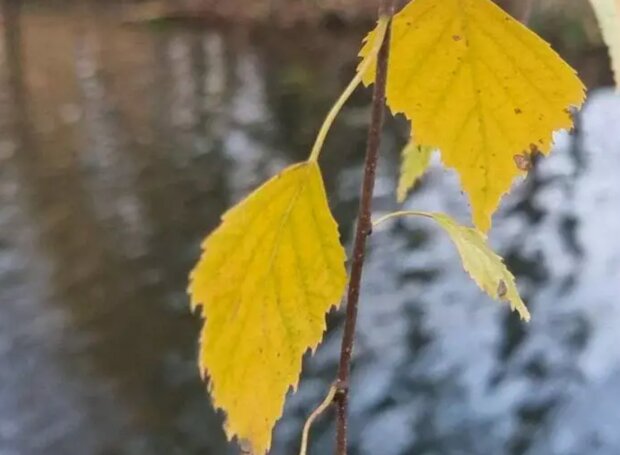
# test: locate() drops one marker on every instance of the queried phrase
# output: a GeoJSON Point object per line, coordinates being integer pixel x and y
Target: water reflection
{"type": "Point", "coordinates": [120, 148]}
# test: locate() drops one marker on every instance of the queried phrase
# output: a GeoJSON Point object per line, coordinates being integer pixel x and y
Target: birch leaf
{"type": "Point", "coordinates": [608, 15]}
{"type": "Point", "coordinates": [415, 161]}
{"type": "Point", "coordinates": [480, 87]}
{"type": "Point", "coordinates": [266, 278]}
{"type": "Point", "coordinates": [485, 267]}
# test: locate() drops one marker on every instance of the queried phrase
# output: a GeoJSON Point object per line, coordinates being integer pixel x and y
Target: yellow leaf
{"type": "Point", "coordinates": [485, 267]}
{"type": "Point", "coordinates": [480, 87]}
{"type": "Point", "coordinates": [415, 161]}
{"type": "Point", "coordinates": [267, 276]}
{"type": "Point", "coordinates": [608, 15]}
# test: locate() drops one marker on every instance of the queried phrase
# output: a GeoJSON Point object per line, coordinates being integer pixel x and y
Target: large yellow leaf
{"type": "Point", "coordinates": [415, 161]}
{"type": "Point", "coordinates": [485, 267]}
{"type": "Point", "coordinates": [608, 15]}
{"type": "Point", "coordinates": [267, 276]}
{"type": "Point", "coordinates": [480, 87]}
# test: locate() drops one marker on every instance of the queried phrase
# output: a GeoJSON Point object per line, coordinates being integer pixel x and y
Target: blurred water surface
{"type": "Point", "coordinates": [120, 147]}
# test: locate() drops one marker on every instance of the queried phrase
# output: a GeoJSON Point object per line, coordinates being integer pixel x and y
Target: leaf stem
{"type": "Point", "coordinates": [337, 107]}
{"type": "Point", "coordinates": [317, 412]}
{"type": "Point", "coordinates": [527, 12]}
{"type": "Point", "coordinates": [399, 214]}
{"type": "Point", "coordinates": [364, 229]}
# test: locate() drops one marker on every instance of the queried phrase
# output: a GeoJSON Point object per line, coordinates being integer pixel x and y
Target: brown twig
{"type": "Point", "coordinates": [364, 229]}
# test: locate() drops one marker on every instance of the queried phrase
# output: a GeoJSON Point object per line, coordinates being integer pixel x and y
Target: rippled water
{"type": "Point", "coordinates": [129, 143]}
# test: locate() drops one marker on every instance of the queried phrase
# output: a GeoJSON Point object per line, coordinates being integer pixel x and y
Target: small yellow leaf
{"type": "Point", "coordinates": [480, 87]}
{"type": "Point", "coordinates": [415, 161]}
{"type": "Point", "coordinates": [267, 276]}
{"type": "Point", "coordinates": [608, 15]}
{"type": "Point", "coordinates": [485, 267]}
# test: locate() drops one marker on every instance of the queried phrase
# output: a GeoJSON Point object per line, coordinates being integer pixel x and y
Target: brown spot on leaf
{"type": "Point", "coordinates": [518, 111]}
{"type": "Point", "coordinates": [523, 161]}
{"type": "Point", "coordinates": [502, 289]}
{"type": "Point", "coordinates": [456, 37]}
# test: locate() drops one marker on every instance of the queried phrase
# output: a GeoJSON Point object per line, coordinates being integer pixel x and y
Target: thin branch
{"type": "Point", "coordinates": [364, 228]}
